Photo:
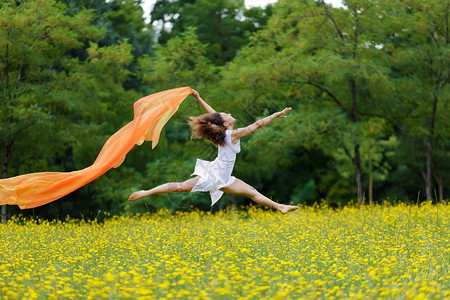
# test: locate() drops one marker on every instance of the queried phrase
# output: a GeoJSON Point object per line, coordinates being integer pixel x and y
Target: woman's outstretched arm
{"type": "Point", "coordinates": [241, 132]}
{"type": "Point", "coordinates": [205, 105]}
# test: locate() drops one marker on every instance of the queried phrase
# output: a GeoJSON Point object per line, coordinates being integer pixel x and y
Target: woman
{"type": "Point", "coordinates": [215, 176]}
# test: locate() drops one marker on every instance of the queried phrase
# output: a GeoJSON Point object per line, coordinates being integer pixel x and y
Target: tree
{"type": "Point", "coordinates": [416, 37]}
{"type": "Point", "coordinates": [224, 25]}
{"type": "Point", "coordinates": [328, 59]}
{"type": "Point", "coordinates": [180, 62]}
{"type": "Point", "coordinates": [122, 21]}
{"type": "Point", "coordinates": [48, 96]}
{"type": "Point", "coordinates": [166, 15]}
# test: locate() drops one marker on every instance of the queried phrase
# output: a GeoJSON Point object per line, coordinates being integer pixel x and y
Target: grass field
{"type": "Point", "coordinates": [390, 252]}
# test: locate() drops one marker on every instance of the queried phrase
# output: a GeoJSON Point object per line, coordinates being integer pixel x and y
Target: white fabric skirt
{"type": "Point", "coordinates": [214, 176]}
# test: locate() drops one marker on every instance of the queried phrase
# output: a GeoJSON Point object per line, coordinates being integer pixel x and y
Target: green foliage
{"type": "Point", "coordinates": [223, 25]}
{"type": "Point", "coordinates": [63, 106]}
{"type": "Point", "coordinates": [416, 38]}
{"type": "Point", "coordinates": [368, 84]}
{"type": "Point", "coordinates": [336, 68]}
{"type": "Point", "coordinates": [181, 62]}
{"type": "Point", "coordinates": [37, 91]}
{"type": "Point", "coordinates": [121, 21]}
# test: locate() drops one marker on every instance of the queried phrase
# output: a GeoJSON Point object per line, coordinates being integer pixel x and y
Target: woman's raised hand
{"type": "Point", "coordinates": [205, 105]}
{"type": "Point", "coordinates": [195, 93]}
{"type": "Point", "coordinates": [281, 114]}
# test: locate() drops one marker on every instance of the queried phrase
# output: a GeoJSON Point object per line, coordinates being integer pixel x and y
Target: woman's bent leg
{"type": "Point", "coordinates": [241, 188]}
{"type": "Point", "coordinates": [171, 187]}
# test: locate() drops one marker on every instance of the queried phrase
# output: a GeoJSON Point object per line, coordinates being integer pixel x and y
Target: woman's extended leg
{"type": "Point", "coordinates": [171, 187]}
{"type": "Point", "coordinates": [241, 188]}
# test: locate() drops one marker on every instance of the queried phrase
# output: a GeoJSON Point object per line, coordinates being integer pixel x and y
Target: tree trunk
{"type": "Point", "coordinates": [441, 193]}
{"type": "Point", "coordinates": [428, 175]}
{"type": "Point", "coordinates": [428, 179]}
{"type": "Point", "coordinates": [357, 159]}
{"type": "Point", "coordinates": [369, 160]}
{"type": "Point", "coordinates": [6, 160]}
{"type": "Point", "coordinates": [4, 214]}
{"type": "Point", "coordinates": [440, 184]}
{"type": "Point", "coordinates": [357, 165]}
{"type": "Point", "coordinates": [428, 183]}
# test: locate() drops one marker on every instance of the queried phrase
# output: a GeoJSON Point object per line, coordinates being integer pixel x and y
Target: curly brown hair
{"type": "Point", "coordinates": [208, 127]}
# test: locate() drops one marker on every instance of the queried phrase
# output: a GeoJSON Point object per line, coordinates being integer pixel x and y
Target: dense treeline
{"type": "Point", "coordinates": [368, 84]}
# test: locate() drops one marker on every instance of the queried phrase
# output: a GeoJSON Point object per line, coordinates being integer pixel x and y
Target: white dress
{"type": "Point", "coordinates": [216, 174]}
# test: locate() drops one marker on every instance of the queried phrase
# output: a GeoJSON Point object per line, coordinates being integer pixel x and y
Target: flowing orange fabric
{"type": "Point", "coordinates": [151, 113]}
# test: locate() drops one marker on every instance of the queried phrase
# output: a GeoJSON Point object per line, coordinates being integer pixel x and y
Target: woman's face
{"type": "Point", "coordinates": [228, 119]}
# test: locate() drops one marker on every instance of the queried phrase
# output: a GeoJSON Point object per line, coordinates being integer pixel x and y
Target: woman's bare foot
{"type": "Point", "coordinates": [138, 195]}
{"type": "Point", "coordinates": [286, 208]}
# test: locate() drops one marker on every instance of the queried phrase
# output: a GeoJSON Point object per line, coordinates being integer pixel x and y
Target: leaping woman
{"type": "Point", "coordinates": [215, 176]}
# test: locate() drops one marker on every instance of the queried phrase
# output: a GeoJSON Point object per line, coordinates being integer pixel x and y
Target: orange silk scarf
{"type": "Point", "coordinates": [150, 115]}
